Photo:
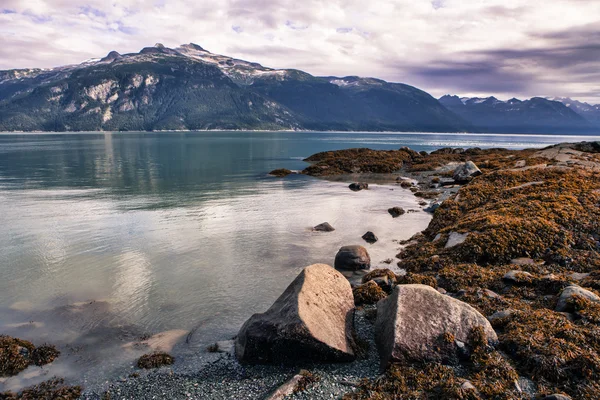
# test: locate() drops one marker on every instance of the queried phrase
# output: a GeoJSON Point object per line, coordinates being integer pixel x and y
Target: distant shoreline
{"type": "Point", "coordinates": [579, 135]}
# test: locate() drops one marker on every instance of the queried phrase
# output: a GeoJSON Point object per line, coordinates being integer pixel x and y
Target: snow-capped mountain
{"type": "Point", "coordinates": [189, 87]}
{"type": "Point", "coordinates": [535, 115]}
{"type": "Point", "coordinates": [586, 110]}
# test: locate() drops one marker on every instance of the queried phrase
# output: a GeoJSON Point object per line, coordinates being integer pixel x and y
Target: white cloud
{"type": "Point", "coordinates": [457, 46]}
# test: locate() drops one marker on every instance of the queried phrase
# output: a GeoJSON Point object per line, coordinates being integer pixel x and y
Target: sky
{"type": "Point", "coordinates": [505, 48]}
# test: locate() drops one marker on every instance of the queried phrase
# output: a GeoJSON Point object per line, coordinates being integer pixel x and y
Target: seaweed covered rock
{"type": "Point", "coordinates": [417, 323]}
{"type": "Point", "coordinates": [17, 354]}
{"type": "Point", "coordinates": [368, 293]}
{"type": "Point", "coordinates": [570, 293]}
{"type": "Point", "coordinates": [53, 389]}
{"type": "Point", "coordinates": [352, 258]}
{"type": "Point", "coordinates": [358, 186]}
{"type": "Point", "coordinates": [324, 227]}
{"type": "Point", "coordinates": [155, 360]}
{"type": "Point", "coordinates": [311, 321]}
{"type": "Point", "coordinates": [466, 172]}
{"type": "Point", "coordinates": [281, 172]}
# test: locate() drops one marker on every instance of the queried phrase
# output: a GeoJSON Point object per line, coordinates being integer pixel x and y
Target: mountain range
{"type": "Point", "coordinates": [535, 115]}
{"type": "Point", "coordinates": [188, 88]}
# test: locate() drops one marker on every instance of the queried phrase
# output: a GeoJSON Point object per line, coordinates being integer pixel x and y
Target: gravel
{"type": "Point", "coordinates": [220, 376]}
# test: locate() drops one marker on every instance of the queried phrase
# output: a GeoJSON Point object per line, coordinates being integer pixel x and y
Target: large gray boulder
{"type": "Point", "coordinates": [352, 258]}
{"type": "Point", "coordinates": [466, 172]}
{"type": "Point", "coordinates": [310, 322]}
{"type": "Point", "coordinates": [570, 292]}
{"type": "Point", "coordinates": [415, 323]}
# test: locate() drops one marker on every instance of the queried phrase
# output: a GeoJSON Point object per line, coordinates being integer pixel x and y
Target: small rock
{"type": "Point", "coordinates": [370, 237]}
{"type": "Point", "coordinates": [522, 261]}
{"type": "Point", "coordinates": [489, 293]}
{"type": "Point", "coordinates": [578, 276]}
{"type": "Point", "coordinates": [396, 211]}
{"type": "Point", "coordinates": [574, 290]}
{"type": "Point", "coordinates": [324, 227]}
{"type": "Point", "coordinates": [466, 172]}
{"type": "Point", "coordinates": [455, 238]}
{"type": "Point", "coordinates": [352, 258]}
{"type": "Point", "coordinates": [357, 186]}
{"type": "Point", "coordinates": [520, 164]}
{"type": "Point", "coordinates": [516, 276]}
{"type": "Point", "coordinates": [467, 385]}
{"type": "Point", "coordinates": [442, 290]}
{"type": "Point", "coordinates": [501, 314]}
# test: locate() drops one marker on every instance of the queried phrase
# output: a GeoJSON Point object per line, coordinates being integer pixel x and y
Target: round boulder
{"type": "Point", "coordinates": [352, 258]}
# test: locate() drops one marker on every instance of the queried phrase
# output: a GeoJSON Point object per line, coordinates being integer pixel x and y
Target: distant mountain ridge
{"type": "Point", "coordinates": [161, 88]}
{"type": "Point", "coordinates": [190, 88]}
{"type": "Point", "coordinates": [535, 115]}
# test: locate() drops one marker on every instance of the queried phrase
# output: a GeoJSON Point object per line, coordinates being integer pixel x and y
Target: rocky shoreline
{"type": "Point", "coordinates": [499, 299]}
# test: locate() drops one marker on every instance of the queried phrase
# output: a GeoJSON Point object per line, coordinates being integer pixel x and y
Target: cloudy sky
{"type": "Point", "coordinates": [506, 48]}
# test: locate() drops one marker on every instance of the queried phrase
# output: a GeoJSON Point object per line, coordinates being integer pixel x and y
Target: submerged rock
{"type": "Point", "coordinates": [352, 258]}
{"type": "Point", "coordinates": [370, 237]}
{"type": "Point", "coordinates": [570, 292]}
{"type": "Point", "coordinates": [396, 211]}
{"type": "Point", "coordinates": [417, 323]}
{"type": "Point", "coordinates": [357, 186]}
{"type": "Point", "coordinates": [466, 172]}
{"type": "Point", "coordinates": [311, 321]}
{"type": "Point", "coordinates": [324, 227]}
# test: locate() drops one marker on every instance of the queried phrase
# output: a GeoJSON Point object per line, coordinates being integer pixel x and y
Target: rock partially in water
{"type": "Point", "coordinates": [396, 211]}
{"type": "Point", "coordinates": [571, 292]}
{"type": "Point", "coordinates": [281, 172]}
{"type": "Point", "coordinates": [311, 321]}
{"type": "Point", "coordinates": [466, 172]}
{"type": "Point", "coordinates": [370, 237]}
{"type": "Point", "coordinates": [352, 258]}
{"type": "Point", "coordinates": [324, 227]}
{"type": "Point", "coordinates": [17, 354]}
{"type": "Point", "coordinates": [358, 186]}
{"type": "Point", "coordinates": [417, 323]}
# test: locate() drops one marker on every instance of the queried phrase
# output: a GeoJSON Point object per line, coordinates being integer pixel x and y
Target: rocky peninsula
{"type": "Point", "coordinates": [498, 298]}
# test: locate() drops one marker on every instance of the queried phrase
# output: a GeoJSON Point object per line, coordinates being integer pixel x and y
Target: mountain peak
{"type": "Point", "coordinates": [113, 55]}
{"type": "Point", "coordinates": [159, 46]}
{"type": "Point", "coordinates": [192, 46]}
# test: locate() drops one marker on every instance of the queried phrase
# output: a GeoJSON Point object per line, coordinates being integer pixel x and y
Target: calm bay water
{"type": "Point", "coordinates": [108, 237]}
